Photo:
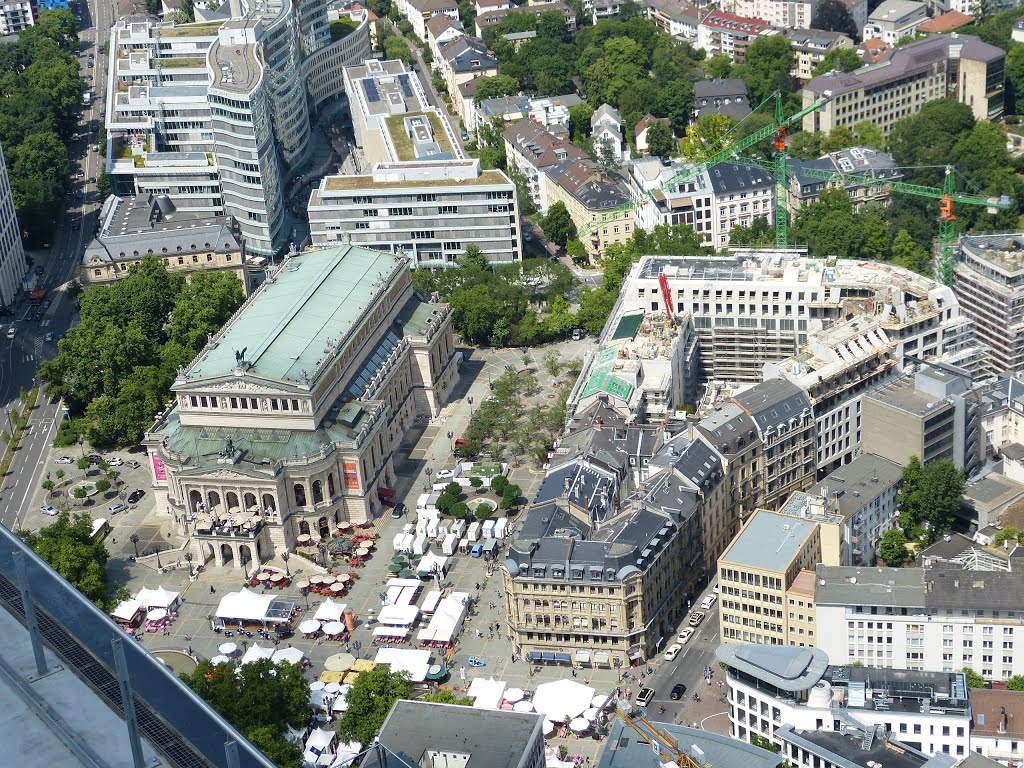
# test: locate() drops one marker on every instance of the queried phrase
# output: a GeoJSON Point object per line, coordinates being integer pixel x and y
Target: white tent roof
{"type": "Point", "coordinates": [346, 754]}
{"type": "Point", "coordinates": [562, 698]}
{"type": "Point", "coordinates": [256, 652]}
{"type": "Point", "coordinates": [399, 615]}
{"type": "Point", "coordinates": [330, 611]}
{"type": "Point", "coordinates": [126, 610]}
{"type": "Point", "coordinates": [157, 598]}
{"type": "Point", "coordinates": [288, 655]}
{"type": "Point", "coordinates": [244, 604]}
{"type": "Point", "coordinates": [429, 561]}
{"type": "Point", "coordinates": [397, 582]}
{"type": "Point", "coordinates": [447, 619]}
{"type": "Point", "coordinates": [486, 694]}
{"type": "Point", "coordinates": [415, 662]}
{"type": "Point", "coordinates": [320, 739]}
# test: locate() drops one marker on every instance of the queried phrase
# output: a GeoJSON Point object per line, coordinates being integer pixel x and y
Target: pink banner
{"type": "Point", "coordinates": [159, 470]}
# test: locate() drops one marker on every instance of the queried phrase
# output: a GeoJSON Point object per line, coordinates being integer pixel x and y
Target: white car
{"type": "Point", "coordinates": [46, 509]}
{"type": "Point", "coordinates": [445, 474]}
{"type": "Point", "coordinates": [708, 601]}
{"type": "Point", "coordinates": [685, 635]}
{"type": "Point", "coordinates": [115, 461]}
{"type": "Point", "coordinates": [64, 460]}
{"type": "Point", "coordinates": [672, 651]}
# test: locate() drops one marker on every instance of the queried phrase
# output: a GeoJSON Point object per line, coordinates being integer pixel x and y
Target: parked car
{"type": "Point", "coordinates": [49, 337]}
{"type": "Point", "coordinates": [117, 507]}
{"type": "Point", "coordinates": [115, 461]}
{"type": "Point", "coordinates": [577, 334]}
{"type": "Point", "coordinates": [645, 697]}
{"type": "Point", "coordinates": [678, 691]}
{"type": "Point", "coordinates": [708, 601]}
{"type": "Point", "coordinates": [46, 509]}
{"type": "Point", "coordinates": [445, 474]}
{"type": "Point", "coordinates": [11, 332]}
{"type": "Point", "coordinates": [696, 618]}
{"type": "Point", "coordinates": [134, 496]}
{"type": "Point", "coordinates": [672, 651]}
{"type": "Point", "coordinates": [39, 269]}
{"type": "Point", "coordinates": [132, 463]}
{"type": "Point", "coordinates": [464, 135]}
{"type": "Point", "coordinates": [397, 511]}
{"type": "Point", "coordinates": [65, 460]}
{"type": "Point", "coordinates": [685, 635]}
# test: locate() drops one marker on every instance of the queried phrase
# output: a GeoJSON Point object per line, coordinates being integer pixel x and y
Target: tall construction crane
{"type": "Point", "coordinates": [946, 196]}
{"type": "Point", "coordinates": [776, 131]}
{"type": "Point", "coordinates": [663, 744]}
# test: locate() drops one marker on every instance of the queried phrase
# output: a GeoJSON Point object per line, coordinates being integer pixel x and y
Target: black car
{"type": "Point", "coordinates": [134, 496]}
{"type": "Point", "coordinates": [397, 511]}
{"type": "Point", "coordinates": [678, 691]}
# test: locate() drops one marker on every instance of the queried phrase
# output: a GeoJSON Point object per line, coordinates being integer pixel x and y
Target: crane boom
{"type": "Point", "coordinates": [653, 735]}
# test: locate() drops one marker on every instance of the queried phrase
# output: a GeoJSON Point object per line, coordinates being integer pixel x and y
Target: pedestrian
{"type": "Point", "coordinates": [574, 672]}
{"type": "Point", "coordinates": [212, 590]}
{"type": "Point", "coordinates": [478, 586]}
{"type": "Point", "coordinates": [190, 650]}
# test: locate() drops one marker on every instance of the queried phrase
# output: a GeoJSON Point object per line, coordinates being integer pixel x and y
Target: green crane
{"type": "Point", "coordinates": [946, 196]}
{"type": "Point", "coordinates": [729, 153]}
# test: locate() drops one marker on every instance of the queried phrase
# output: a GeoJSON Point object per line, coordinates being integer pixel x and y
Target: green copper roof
{"type": "Point", "coordinates": [602, 378]}
{"type": "Point", "coordinates": [285, 327]}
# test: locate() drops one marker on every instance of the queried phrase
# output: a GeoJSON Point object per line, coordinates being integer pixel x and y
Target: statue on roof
{"type": "Point", "coordinates": [240, 356]}
{"type": "Point", "coordinates": [229, 449]}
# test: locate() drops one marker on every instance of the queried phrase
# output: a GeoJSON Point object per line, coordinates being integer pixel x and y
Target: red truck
{"type": "Point", "coordinates": [37, 297]}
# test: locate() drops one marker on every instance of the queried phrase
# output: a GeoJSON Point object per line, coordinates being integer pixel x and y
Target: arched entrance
{"type": "Point", "coordinates": [268, 503]}
{"type": "Point", "coordinates": [244, 555]}
{"type": "Point", "coordinates": [300, 495]}
{"type": "Point", "coordinates": [226, 554]}
{"type": "Point", "coordinates": [232, 499]}
{"type": "Point", "coordinates": [324, 527]}
{"type": "Point", "coordinates": [250, 501]}
{"type": "Point", "coordinates": [304, 527]}
{"type": "Point", "coordinates": [213, 498]}
{"type": "Point", "coordinates": [195, 498]}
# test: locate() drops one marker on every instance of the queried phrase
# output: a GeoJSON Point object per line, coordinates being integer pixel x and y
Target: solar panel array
{"type": "Point", "coordinates": [371, 91]}
{"type": "Point", "coordinates": [403, 80]}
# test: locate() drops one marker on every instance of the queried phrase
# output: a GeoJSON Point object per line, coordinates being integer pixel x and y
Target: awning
{"type": "Point", "coordinates": [635, 653]}
{"type": "Point", "coordinates": [563, 658]}
{"type": "Point", "coordinates": [583, 657]}
{"type": "Point", "coordinates": [386, 493]}
{"type": "Point", "coordinates": [534, 656]}
{"type": "Point", "coordinates": [600, 657]}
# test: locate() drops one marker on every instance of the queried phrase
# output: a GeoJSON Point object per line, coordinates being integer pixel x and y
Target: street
{"type": "Point", "coordinates": [72, 231]}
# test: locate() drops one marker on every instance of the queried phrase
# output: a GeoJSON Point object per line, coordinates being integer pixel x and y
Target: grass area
{"type": "Point", "coordinates": [341, 28]}
{"type": "Point", "coordinates": [402, 141]}
{"type": "Point", "coordinates": [181, 63]}
{"type": "Point", "coordinates": [363, 182]}
{"type": "Point", "coordinates": [20, 421]}
{"type": "Point", "coordinates": [191, 30]}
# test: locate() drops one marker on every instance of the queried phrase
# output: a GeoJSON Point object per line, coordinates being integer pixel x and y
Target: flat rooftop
{"type": "Point", "coordinates": [857, 484]}
{"type": "Point", "coordinates": [287, 327]}
{"type": "Point", "coordinates": [847, 585]}
{"type": "Point", "coordinates": [904, 395]}
{"type": "Point", "coordinates": [345, 183]}
{"type": "Point", "coordinates": [625, 748]}
{"type": "Point", "coordinates": [769, 541]}
{"type": "Point", "coordinates": [845, 750]}
{"type": "Point", "coordinates": [235, 66]}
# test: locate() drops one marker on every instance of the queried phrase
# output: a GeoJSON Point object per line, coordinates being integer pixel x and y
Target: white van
{"type": "Point", "coordinates": [708, 601]}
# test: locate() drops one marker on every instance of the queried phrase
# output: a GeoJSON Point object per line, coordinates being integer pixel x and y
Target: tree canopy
{"type": "Point", "coordinates": [842, 59]}
{"type": "Point", "coordinates": [117, 365]}
{"type": "Point", "coordinates": [369, 701]}
{"type": "Point", "coordinates": [67, 545]}
{"type": "Point", "coordinates": [833, 16]}
{"type": "Point", "coordinates": [929, 497]}
{"type": "Point", "coordinates": [261, 699]}
{"type": "Point", "coordinates": [557, 224]}
{"type": "Point", "coordinates": [893, 548]}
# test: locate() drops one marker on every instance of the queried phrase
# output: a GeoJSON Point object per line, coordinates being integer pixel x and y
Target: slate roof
{"type": "Point", "coordinates": [970, 590]}
{"type": "Point", "coordinates": [728, 428]}
{"type": "Point", "coordinates": [772, 403]}
{"type": "Point", "coordinates": [538, 146]}
{"type": "Point", "coordinates": [728, 177]}
{"type": "Point", "coordinates": [468, 54]}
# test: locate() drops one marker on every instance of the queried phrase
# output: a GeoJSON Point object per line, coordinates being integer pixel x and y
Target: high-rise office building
{"type": "Point", "coordinates": [12, 254]}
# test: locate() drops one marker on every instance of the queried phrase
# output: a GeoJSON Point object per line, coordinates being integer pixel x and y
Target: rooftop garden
{"type": "Point", "coordinates": [403, 142]}
{"type": "Point", "coordinates": [341, 28]}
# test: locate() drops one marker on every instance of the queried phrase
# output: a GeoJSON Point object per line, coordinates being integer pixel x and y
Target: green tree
{"type": "Point", "coordinates": [558, 225]}
{"type": "Point", "coordinates": [759, 234]}
{"type": "Point", "coordinates": [80, 494]}
{"type": "Point", "coordinates": [974, 680]}
{"type": "Point", "coordinates": [928, 138]}
{"type": "Point", "coordinates": [102, 486]}
{"type": "Point", "coordinates": [576, 251]}
{"type": "Point", "coordinates": [806, 145]}
{"type": "Point", "coordinates": [707, 135]}
{"type": "Point", "coordinates": [579, 120]}
{"type": "Point", "coordinates": [718, 66]}
{"type": "Point", "coordinates": [841, 59]}
{"type": "Point", "coordinates": [675, 101]}
{"type": "Point", "coordinates": [60, 475]}
{"type": "Point", "coordinates": [446, 696]}
{"type": "Point", "coordinates": [493, 87]}
{"type": "Point", "coordinates": [893, 548]}
{"type": "Point", "coordinates": [930, 495]}
{"type": "Point", "coordinates": [397, 48]}
{"type": "Point", "coordinates": [868, 134]}
{"type": "Point", "coordinates": [262, 699]}
{"type": "Point", "coordinates": [907, 253]}
{"type": "Point", "coordinates": [829, 226]}
{"type": "Point", "coordinates": [473, 258]}
{"type": "Point", "coordinates": [48, 486]}
{"type": "Point", "coordinates": [1015, 683]}
{"type": "Point", "coordinates": [82, 463]}
{"type": "Point", "coordinates": [769, 60]}
{"type": "Point", "coordinates": [660, 141]}
{"type": "Point", "coordinates": [833, 16]}
{"type": "Point", "coordinates": [67, 545]}
{"type": "Point", "coordinates": [369, 701]}
{"type": "Point", "coordinates": [1015, 78]}
{"type": "Point", "coordinates": [103, 183]}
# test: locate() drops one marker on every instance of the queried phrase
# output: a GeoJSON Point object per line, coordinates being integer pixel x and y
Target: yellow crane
{"type": "Point", "coordinates": [665, 744]}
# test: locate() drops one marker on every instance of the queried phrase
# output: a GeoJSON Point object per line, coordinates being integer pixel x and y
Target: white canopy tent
{"type": "Point", "coordinates": [319, 748]}
{"type": "Point", "coordinates": [288, 656]}
{"type": "Point", "coordinates": [246, 605]}
{"type": "Point", "coordinates": [415, 662]}
{"type": "Point", "coordinates": [346, 754]}
{"type": "Point", "coordinates": [127, 610]}
{"type": "Point", "coordinates": [330, 611]}
{"type": "Point", "coordinates": [341, 699]}
{"type": "Point", "coordinates": [431, 563]}
{"type": "Point", "coordinates": [396, 582]}
{"type": "Point", "coordinates": [157, 598]}
{"type": "Point", "coordinates": [399, 615]}
{"type": "Point", "coordinates": [562, 699]}
{"type": "Point", "coordinates": [486, 693]}
{"type": "Point", "coordinates": [401, 632]}
{"type": "Point", "coordinates": [257, 652]}
{"type": "Point", "coordinates": [447, 620]}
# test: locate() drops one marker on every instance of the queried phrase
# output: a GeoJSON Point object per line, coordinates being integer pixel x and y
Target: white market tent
{"type": "Point", "coordinates": [486, 694]}
{"type": "Point", "coordinates": [330, 611]}
{"type": "Point", "coordinates": [246, 605]}
{"type": "Point", "coordinates": [399, 615]}
{"type": "Point", "coordinates": [562, 699]}
{"type": "Point", "coordinates": [127, 610]}
{"type": "Point", "coordinates": [318, 749]}
{"type": "Point", "coordinates": [347, 753]}
{"type": "Point", "coordinates": [432, 562]}
{"type": "Point", "coordinates": [415, 662]}
{"type": "Point", "coordinates": [447, 620]}
{"type": "Point", "coordinates": [256, 652]}
{"type": "Point", "coordinates": [157, 598]}
{"type": "Point", "coordinates": [341, 699]}
{"type": "Point", "coordinates": [288, 656]}
{"type": "Point", "coordinates": [401, 632]}
{"type": "Point", "coordinates": [397, 582]}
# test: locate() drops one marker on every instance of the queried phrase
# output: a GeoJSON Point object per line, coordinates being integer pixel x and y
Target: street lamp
{"type": "Point", "coordinates": [470, 399]}
{"type": "Point", "coordinates": [429, 472]}
{"type": "Point", "coordinates": [285, 556]}
{"type": "Point", "coordinates": [452, 442]}
{"type": "Point", "coordinates": [188, 559]}
{"type": "Point", "coordinates": [134, 539]}
{"type": "Point", "coordinates": [323, 553]}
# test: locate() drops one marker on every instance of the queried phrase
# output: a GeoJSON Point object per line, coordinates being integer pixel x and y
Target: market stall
{"type": "Point", "coordinates": [415, 662]}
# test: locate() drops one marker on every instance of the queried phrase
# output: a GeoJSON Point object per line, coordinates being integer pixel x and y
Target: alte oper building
{"type": "Point", "coordinates": [286, 422]}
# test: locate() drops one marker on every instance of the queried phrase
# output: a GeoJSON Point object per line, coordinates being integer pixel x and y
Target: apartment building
{"type": "Point", "coordinates": [804, 189]}
{"type": "Point", "coordinates": [1002, 415]}
{"type": "Point", "coordinates": [811, 46]}
{"type": "Point", "coordinates": [442, 29]}
{"type": "Point", "coordinates": [595, 202]}
{"type": "Point", "coordinates": [462, 62]}
{"type": "Point", "coordinates": [994, 732]}
{"type": "Point", "coordinates": [728, 34]}
{"type": "Point", "coordinates": [710, 200]}
{"type": "Point", "coordinates": [677, 17]}
{"type": "Point", "coordinates": [16, 15]}
{"type": "Point", "coordinates": [129, 229]}
{"type": "Point", "coordinates": [723, 96]}
{"type": "Point", "coordinates": [932, 413]}
{"type": "Point", "coordinates": [781, 14]}
{"type": "Point", "coordinates": [988, 281]}
{"type": "Point", "coordinates": [895, 19]}
{"type": "Point", "coordinates": [836, 366]}
{"type": "Point", "coordinates": [921, 618]}
{"type": "Point", "coordinates": [283, 368]}
{"type": "Point", "coordinates": [532, 150]}
{"type": "Point", "coordinates": [216, 114]}
{"type": "Point", "coordinates": [606, 130]}
{"type": "Point", "coordinates": [786, 695]}
{"type": "Point", "coordinates": [494, 16]}
{"type": "Point", "coordinates": [754, 307]}
{"type": "Point", "coordinates": [552, 112]}
{"type": "Point", "coordinates": [419, 12]}
{"type": "Point", "coordinates": [864, 493]}
{"type": "Point", "coordinates": [12, 253]}
{"type": "Point", "coordinates": [754, 574]}
{"type": "Point", "coordinates": [428, 212]}
{"type": "Point", "coordinates": [734, 435]}
{"type": "Point", "coordinates": [937, 67]}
